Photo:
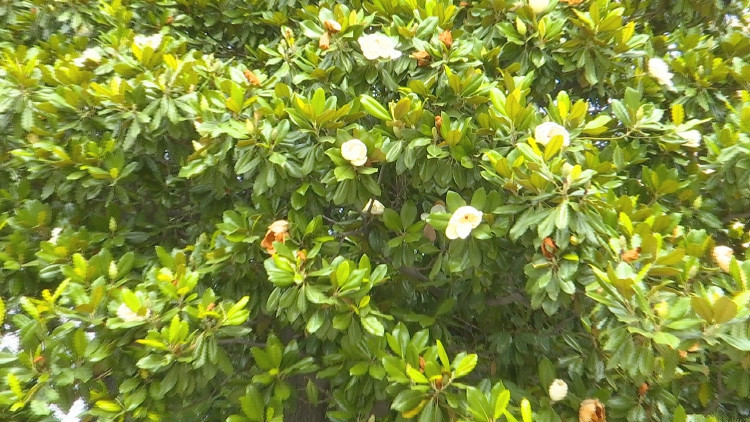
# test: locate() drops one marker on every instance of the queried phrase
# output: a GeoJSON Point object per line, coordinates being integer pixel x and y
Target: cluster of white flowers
{"type": "Point", "coordinates": [88, 55]}
{"type": "Point", "coordinates": [374, 206]}
{"type": "Point", "coordinates": [659, 69]}
{"type": "Point", "coordinates": [355, 152]}
{"type": "Point", "coordinates": [462, 222]}
{"type": "Point", "coordinates": [377, 46]}
{"type": "Point", "coordinates": [128, 315]}
{"type": "Point", "coordinates": [558, 390]}
{"type": "Point", "coordinates": [548, 130]}
{"type": "Point", "coordinates": [153, 41]}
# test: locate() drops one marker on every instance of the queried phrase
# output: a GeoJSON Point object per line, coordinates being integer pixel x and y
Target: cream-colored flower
{"type": "Point", "coordinates": [153, 41]}
{"type": "Point", "coordinates": [547, 130]}
{"type": "Point", "coordinates": [558, 390]}
{"type": "Point", "coordinates": [354, 151]}
{"type": "Point", "coordinates": [693, 138]}
{"type": "Point", "coordinates": [659, 69]}
{"type": "Point", "coordinates": [538, 6]}
{"type": "Point", "coordinates": [723, 257]}
{"type": "Point", "coordinates": [462, 222]}
{"type": "Point", "coordinates": [88, 55]}
{"type": "Point", "coordinates": [376, 46]}
{"type": "Point", "coordinates": [374, 206]}
{"type": "Point", "coordinates": [128, 315]}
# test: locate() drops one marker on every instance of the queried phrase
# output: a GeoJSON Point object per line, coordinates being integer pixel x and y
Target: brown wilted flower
{"type": "Point", "coordinates": [430, 233]}
{"type": "Point", "coordinates": [463, 4]}
{"type": "Point", "coordinates": [446, 38]}
{"type": "Point", "coordinates": [643, 389]}
{"type": "Point", "coordinates": [549, 247]}
{"type": "Point", "coordinates": [251, 77]}
{"type": "Point", "coordinates": [631, 255]}
{"type": "Point", "coordinates": [278, 231]}
{"type": "Point", "coordinates": [591, 410]}
{"type": "Point", "coordinates": [325, 41]}
{"type": "Point", "coordinates": [423, 58]}
{"type": "Point", "coordinates": [572, 2]}
{"type": "Point", "coordinates": [438, 122]}
{"type": "Point", "coordinates": [332, 26]}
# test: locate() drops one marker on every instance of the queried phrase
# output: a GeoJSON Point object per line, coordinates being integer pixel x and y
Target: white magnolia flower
{"type": "Point", "coordinates": [374, 206]}
{"type": "Point", "coordinates": [693, 138]}
{"type": "Point", "coordinates": [462, 222]}
{"type": "Point", "coordinates": [538, 6]}
{"type": "Point", "coordinates": [376, 46]}
{"type": "Point", "coordinates": [723, 257]}
{"type": "Point", "coordinates": [435, 209]}
{"type": "Point", "coordinates": [354, 151]}
{"type": "Point", "coordinates": [88, 55]}
{"type": "Point", "coordinates": [128, 315]}
{"type": "Point", "coordinates": [558, 390]}
{"type": "Point", "coordinates": [153, 41]}
{"type": "Point", "coordinates": [547, 130]}
{"type": "Point", "coordinates": [659, 69]}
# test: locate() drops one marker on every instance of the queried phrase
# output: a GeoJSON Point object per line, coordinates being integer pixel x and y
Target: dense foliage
{"type": "Point", "coordinates": [374, 210]}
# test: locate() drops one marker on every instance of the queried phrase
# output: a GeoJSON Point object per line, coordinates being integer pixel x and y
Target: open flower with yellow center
{"type": "Point", "coordinates": [692, 138]}
{"type": "Point", "coordinates": [376, 46]}
{"type": "Point", "coordinates": [354, 151]}
{"type": "Point", "coordinates": [153, 41]}
{"type": "Point", "coordinates": [548, 130]}
{"type": "Point", "coordinates": [463, 221]}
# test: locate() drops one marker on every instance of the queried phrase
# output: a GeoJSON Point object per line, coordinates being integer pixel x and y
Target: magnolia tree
{"type": "Point", "coordinates": [375, 210]}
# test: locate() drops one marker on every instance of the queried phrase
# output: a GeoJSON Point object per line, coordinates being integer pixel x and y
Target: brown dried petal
{"type": "Point", "coordinates": [549, 247]}
{"type": "Point", "coordinates": [251, 77]}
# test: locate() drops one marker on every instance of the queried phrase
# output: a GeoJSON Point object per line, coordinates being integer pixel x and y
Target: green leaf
{"type": "Point", "coordinates": [373, 325]}
{"type": "Point", "coordinates": [464, 364]}
{"type": "Point", "coordinates": [443, 356]}
{"type": "Point", "coordinates": [724, 310]}
{"type": "Point", "coordinates": [373, 107]}
{"type": "Point", "coordinates": [501, 404]}
{"type": "Point", "coordinates": [526, 410]}
{"type": "Point", "coordinates": [252, 404]}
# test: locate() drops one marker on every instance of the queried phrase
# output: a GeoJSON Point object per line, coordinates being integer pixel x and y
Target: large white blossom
{"type": "Point", "coordinates": [462, 222]}
{"type": "Point", "coordinates": [693, 138]}
{"type": "Point", "coordinates": [659, 69]}
{"type": "Point", "coordinates": [547, 130]}
{"type": "Point", "coordinates": [558, 390]}
{"type": "Point", "coordinates": [376, 46]}
{"type": "Point", "coordinates": [354, 151]}
{"type": "Point", "coordinates": [374, 206]}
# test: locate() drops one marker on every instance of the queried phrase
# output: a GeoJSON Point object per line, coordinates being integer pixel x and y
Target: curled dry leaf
{"type": "Point", "coordinates": [278, 231]}
{"type": "Point", "coordinates": [332, 26]}
{"type": "Point", "coordinates": [446, 38]}
{"type": "Point", "coordinates": [549, 247]}
{"type": "Point", "coordinates": [591, 410]}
